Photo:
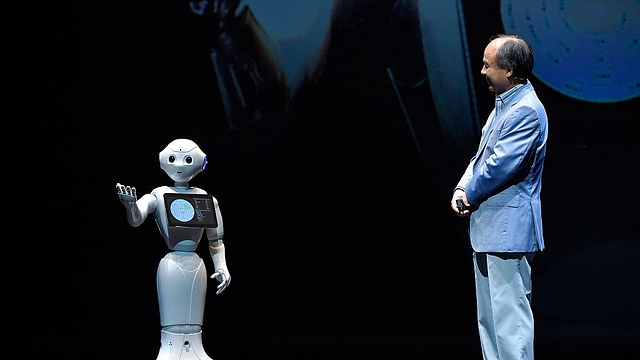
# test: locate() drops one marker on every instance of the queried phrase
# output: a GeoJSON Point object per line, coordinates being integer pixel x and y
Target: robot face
{"type": "Point", "coordinates": [182, 160]}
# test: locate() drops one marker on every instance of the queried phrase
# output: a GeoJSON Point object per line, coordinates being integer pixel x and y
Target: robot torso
{"type": "Point", "coordinates": [182, 215]}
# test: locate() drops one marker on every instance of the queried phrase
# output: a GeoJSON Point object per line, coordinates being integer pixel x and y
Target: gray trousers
{"type": "Point", "coordinates": [503, 295]}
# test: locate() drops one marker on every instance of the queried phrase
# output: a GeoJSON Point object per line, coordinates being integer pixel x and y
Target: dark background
{"type": "Point", "coordinates": [339, 235]}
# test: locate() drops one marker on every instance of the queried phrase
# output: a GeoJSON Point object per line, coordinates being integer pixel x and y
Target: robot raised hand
{"type": "Point", "coordinates": [128, 198]}
{"type": "Point", "coordinates": [126, 193]}
{"type": "Point", "coordinates": [183, 213]}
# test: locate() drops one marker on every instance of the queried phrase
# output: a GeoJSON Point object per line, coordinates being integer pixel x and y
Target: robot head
{"type": "Point", "coordinates": [182, 160]}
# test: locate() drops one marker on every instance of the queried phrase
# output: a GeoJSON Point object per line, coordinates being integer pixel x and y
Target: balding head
{"type": "Point", "coordinates": [513, 52]}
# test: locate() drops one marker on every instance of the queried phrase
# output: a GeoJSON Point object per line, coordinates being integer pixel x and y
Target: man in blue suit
{"type": "Point", "coordinates": [500, 192]}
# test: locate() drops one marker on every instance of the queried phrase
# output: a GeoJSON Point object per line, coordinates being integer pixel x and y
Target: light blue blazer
{"type": "Point", "coordinates": [503, 180]}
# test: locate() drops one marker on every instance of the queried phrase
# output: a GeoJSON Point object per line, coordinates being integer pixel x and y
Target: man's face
{"type": "Point", "coordinates": [498, 79]}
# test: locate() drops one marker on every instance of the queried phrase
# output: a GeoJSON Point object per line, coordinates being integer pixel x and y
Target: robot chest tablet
{"type": "Point", "coordinates": [190, 210]}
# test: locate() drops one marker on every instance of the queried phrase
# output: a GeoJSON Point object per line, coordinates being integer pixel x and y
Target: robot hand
{"type": "Point", "coordinates": [222, 275]}
{"type": "Point", "coordinates": [126, 194]}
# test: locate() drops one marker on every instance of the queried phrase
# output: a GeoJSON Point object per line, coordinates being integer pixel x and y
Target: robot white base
{"type": "Point", "coordinates": [181, 346]}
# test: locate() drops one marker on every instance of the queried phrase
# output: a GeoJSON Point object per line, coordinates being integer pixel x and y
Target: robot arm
{"type": "Point", "coordinates": [137, 210]}
{"type": "Point", "coordinates": [216, 249]}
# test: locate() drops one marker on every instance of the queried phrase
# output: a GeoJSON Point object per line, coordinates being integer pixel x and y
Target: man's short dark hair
{"type": "Point", "coordinates": [516, 54]}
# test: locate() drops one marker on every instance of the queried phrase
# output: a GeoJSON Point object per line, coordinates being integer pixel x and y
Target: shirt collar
{"type": "Point", "coordinates": [502, 99]}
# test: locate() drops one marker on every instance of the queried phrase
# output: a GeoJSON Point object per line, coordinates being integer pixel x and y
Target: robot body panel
{"type": "Point", "coordinates": [181, 346]}
{"type": "Point", "coordinates": [182, 285]}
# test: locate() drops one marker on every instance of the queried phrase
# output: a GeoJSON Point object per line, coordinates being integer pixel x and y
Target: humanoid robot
{"type": "Point", "coordinates": [182, 214]}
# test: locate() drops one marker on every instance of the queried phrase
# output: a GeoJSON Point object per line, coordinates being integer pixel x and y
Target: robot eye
{"type": "Point", "coordinates": [172, 158]}
{"type": "Point", "coordinates": [188, 159]}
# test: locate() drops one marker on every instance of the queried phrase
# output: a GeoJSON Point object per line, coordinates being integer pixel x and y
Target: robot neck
{"type": "Point", "coordinates": [181, 185]}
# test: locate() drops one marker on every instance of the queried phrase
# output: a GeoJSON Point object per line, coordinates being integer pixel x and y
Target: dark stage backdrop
{"type": "Point", "coordinates": [336, 131]}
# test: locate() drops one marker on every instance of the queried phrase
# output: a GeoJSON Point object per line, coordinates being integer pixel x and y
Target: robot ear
{"type": "Point", "coordinates": [204, 163]}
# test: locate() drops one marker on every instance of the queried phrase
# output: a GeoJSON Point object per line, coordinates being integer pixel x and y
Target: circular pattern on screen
{"type": "Point", "coordinates": [182, 210]}
{"type": "Point", "coordinates": [588, 50]}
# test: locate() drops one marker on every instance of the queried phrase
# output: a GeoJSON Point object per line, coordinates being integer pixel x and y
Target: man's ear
{"type": "Point", "coordinates": [509, 73]}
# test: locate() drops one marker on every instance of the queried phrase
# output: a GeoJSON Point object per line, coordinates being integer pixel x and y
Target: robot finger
{"type": "Point", "coordinates": [222, 277]}
{"type": "Point", "coordinates": [223, 285]}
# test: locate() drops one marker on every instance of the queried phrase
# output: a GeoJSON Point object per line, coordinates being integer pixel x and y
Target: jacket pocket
{"type": "Point", "coordinates": [502, 199]}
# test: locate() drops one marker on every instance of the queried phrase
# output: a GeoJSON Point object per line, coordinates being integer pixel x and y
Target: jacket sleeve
{"type": "Point", "coordinates": [505, 156]}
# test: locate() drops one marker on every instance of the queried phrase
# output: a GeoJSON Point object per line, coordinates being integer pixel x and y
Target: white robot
{"type": "Point", "coordinates": [182, 214]}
